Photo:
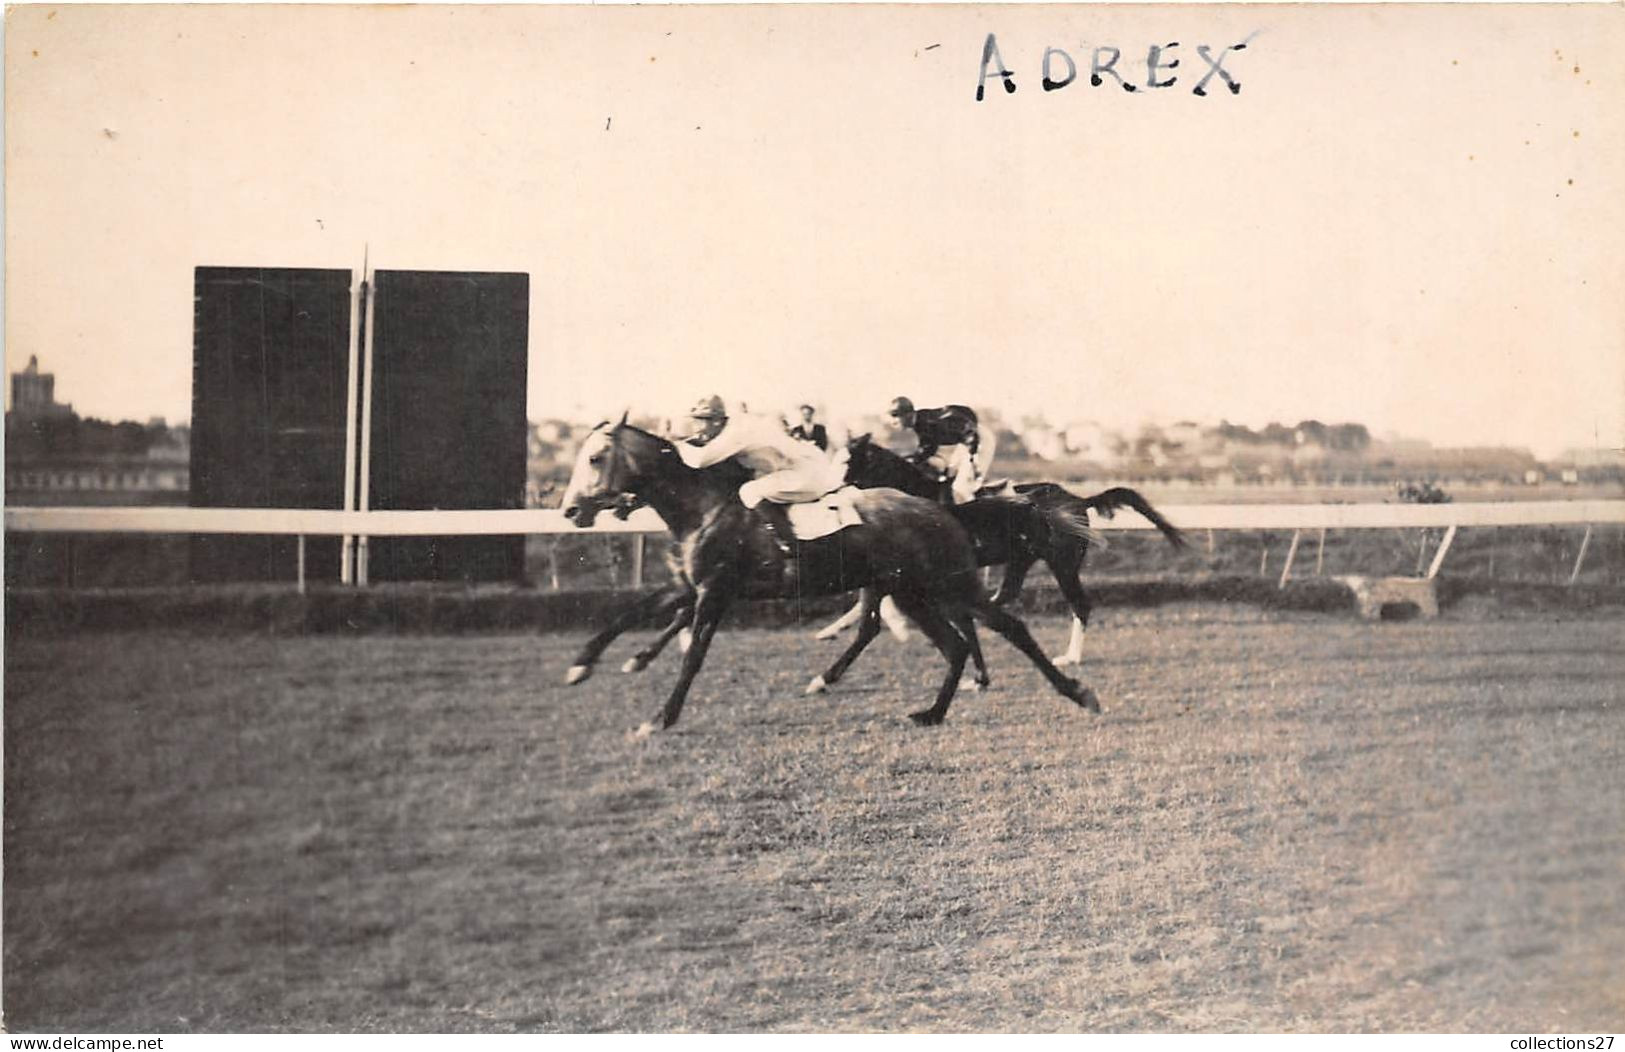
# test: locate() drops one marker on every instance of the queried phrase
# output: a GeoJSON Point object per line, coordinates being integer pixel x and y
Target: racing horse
{"type": "Point", "coordinates": [1052, 526]}
{"type": "Point", "coordinates": [907, 547]}
{"type": "Point", "coordinates": [674, 604]}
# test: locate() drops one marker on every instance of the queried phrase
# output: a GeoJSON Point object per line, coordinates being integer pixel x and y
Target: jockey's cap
{"type": "Point", "coordinates": [900, 406]}
{"type": "Point", "coordinates": [709, 408]}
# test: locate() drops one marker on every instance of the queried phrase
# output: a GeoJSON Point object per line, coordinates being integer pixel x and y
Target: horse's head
{"type": "Point", "coordinates": [859, 454]}
{"type": "Point", "coordinates": [869, 464]}
{"type": "Point", "coordinates": [611, 467]}
{"type": "Point", "coordinates": [595, 481]}
{"type": "Point", "coordinates": [867, 461]}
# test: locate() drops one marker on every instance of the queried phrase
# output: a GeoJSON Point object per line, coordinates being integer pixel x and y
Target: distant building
{"type": "Point", "coordinates": [161, 475]}
{"type": "Point", "coordinates": [33, 397]}
{"type": "Point", "coordinates": [53, 457]}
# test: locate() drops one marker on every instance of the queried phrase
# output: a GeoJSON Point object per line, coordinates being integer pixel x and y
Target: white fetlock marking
{"type": "Point", "coordinates": [644, 730]}
{"type": "Point", "coordinates": [1074, 646]}
{"type": "Point", "coordinates": [632, 665]}
{"type": "Point", "coordinates": [817, 686]}
{"type": "Point", "coordinates": [971, 683]}
{"type": "Point", "coordinates": [894, 619]}
{"type": "Point", "coordinates": [829, 631]}
{"type": "Point", "coordinates": [576, 674]}
{"type": "Point", "coordinates": [685, 639]}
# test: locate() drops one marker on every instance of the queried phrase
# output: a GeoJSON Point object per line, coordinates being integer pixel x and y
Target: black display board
{"type": "Point", "coordinates": [448, 416]}
{"type": "Point", "coordinates": [270, 348]}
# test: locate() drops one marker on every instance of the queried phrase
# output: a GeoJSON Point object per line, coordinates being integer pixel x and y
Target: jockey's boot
{"type": "Point", "coordinates": [776, 517]}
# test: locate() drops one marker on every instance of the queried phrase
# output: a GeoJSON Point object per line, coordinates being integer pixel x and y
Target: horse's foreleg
{"type": "Point", "coordinates": [709, 606]}
{"type": "Point", "coordinates": [1016, 632]}
{"type": "Point", "coordinates": [590, 651]}
{"type": "Point", "coordinates": [679, 621]}
{"type": "Point", "coordinates": [868, 629]}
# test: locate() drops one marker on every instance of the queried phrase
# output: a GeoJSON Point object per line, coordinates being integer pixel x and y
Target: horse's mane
{"type": "Point", "coordinates": [729, 469]}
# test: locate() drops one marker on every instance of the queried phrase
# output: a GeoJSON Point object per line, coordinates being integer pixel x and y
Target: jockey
{"type": "Point", "coordinates": [785, 469]}
{"type": "Point", "coordinates": [967, 462]}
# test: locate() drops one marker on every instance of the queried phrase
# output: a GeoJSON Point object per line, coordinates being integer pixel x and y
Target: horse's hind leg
{"type": "Point", "coordinates": [1016, 632]}
{"type": "Point", "coordinates": [1074, 644]}
{"type": "Point", "coordinates": [665, 599]}
{"type": "Point", "coordinates": [949, 642]}
{"type": "Point", "coordinates": [1015, 575]}
{"type": "Point", "coordinates": [868, 629]}
{"type": "Point", "coordinates": [965, 625]}
{"type": "Point", "coordinates": [1066, 567]}
{"type": "Point", "coordinates": [679, 621]}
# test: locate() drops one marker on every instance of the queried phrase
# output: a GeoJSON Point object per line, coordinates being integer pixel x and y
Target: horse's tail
{"type": "Point", "coordinates": [1039, 510]}
{"type": "Point", "coordinates": [1107, 502]}
{"type": "Point", "coordinates": [1073, 521]}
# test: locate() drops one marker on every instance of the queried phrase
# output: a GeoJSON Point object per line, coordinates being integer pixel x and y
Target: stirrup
{"type": "Point", "coordinates": [774, 531]}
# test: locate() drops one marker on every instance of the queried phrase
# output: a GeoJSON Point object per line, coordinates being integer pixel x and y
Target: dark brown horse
{"type": "Point", "coordinates": [1050, 524]}
{"type": "Point", "coordinates": [908, 548]}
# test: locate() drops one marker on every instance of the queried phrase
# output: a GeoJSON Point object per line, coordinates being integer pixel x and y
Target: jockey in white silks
{"type": "Point", "coordinates": [785, 470]}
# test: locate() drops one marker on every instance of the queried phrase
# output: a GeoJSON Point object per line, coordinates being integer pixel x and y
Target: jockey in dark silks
{"type": "Point", "coordinates": [968, 453]}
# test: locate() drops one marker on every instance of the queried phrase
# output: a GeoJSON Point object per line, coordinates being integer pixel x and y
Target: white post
{"type": "Point", "coordinates": [1585, 542]}
{"type": "Point", "coordinates": [1291, 553]}
{"type": "Point", "coordinates": [365, 496]}
{"type": "Point", "coordinates": [347, 549]}
{"type": "Point", "coordinates": [1444, 546]}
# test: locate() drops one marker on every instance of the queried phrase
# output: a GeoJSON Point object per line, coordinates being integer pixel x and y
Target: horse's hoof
{"type": "Point", "coordinates": [827, 633]}
{"type": "Point", "coordinates": [925, 718]}
{"type": "Point", "coordinates": [632, 665]}
{"type": "Point", "coordinates": [645, 729]}
{"type": "Point", "coordinates": [972, 684]}
{"type": "Point", "coordinates": [576, 674]}
{"type": "Point", "coordinates": [685, 639]}
{"type": "Point", "coordinates": [1086, 698]}
{"type": "Point", "coordinates": [817, 686]}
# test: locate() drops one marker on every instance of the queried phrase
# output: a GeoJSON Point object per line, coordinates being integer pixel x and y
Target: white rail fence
{"type": "Point", "coordinates": [309, 522]}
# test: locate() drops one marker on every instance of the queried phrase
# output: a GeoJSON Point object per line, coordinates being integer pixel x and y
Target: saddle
{"type": "Point", "coordinates": [831, 513]}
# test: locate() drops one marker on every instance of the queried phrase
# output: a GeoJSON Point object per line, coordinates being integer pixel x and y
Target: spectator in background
{"type": "Point", "coordinates": [808, 431]}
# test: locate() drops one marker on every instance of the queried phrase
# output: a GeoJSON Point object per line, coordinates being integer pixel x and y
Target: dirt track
{"type": "Point", "coordinates": [1281, 823]}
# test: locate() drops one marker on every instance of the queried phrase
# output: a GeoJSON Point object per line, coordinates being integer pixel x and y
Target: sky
{"type": "Point", "coordinates": [1409, 217]}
